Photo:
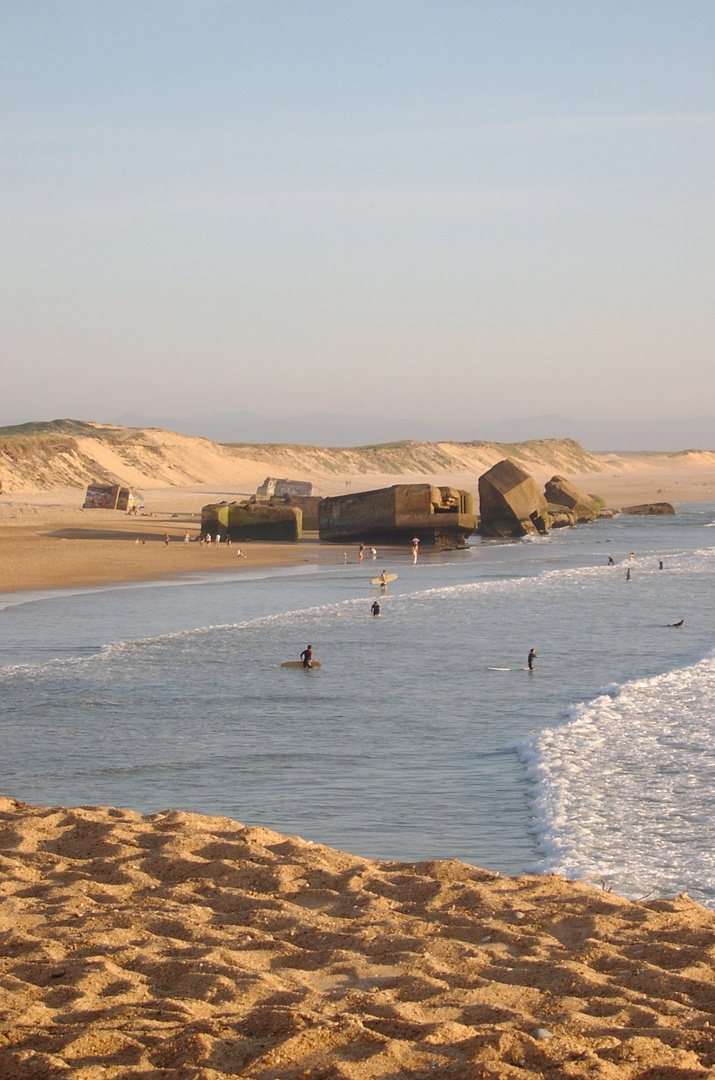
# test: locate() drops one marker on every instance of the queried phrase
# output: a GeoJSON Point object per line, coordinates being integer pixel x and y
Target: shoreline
{"type": "Point", "coordinates": [47, 542]}
{"type": "Point", "coordinates": [176, 945]}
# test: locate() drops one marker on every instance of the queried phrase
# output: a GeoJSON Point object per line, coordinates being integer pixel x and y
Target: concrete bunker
{"type": "Point", "coordinates": [442, 517]}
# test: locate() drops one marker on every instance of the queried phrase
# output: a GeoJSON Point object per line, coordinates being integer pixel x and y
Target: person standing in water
{"type": "Point", "coordinates": [628, 574]}
{"type": "Point", "coordinates": [415, 548]}
{"type": "Point", "coordinates": [610, 561]}
{"type": "Point", "coordinates": [307, 657]}
{"type": "Point", "coordinates": [383, 580]}
{"type": "Point", "coordinates": [530, 659]}
{"type": "Point", "coordinates": [375, 609]}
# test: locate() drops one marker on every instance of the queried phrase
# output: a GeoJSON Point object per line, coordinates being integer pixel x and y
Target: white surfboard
{"type": "Point", "coordinates": [383, 581]}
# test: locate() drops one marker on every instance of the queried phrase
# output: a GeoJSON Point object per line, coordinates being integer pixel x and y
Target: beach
{"type": "Point", "coordinates": [174, 944]}
{"type": "Point", "coordinates": [177, 945]}
{"type": "Point", "coordinates": [47, 541]}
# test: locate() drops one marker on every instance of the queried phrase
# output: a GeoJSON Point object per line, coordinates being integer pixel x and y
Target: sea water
{"type": "Point", "coordinates": [423, 735]}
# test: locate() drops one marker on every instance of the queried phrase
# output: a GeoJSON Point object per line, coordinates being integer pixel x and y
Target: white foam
{"type": "Point", "coordinates": [625, 790]}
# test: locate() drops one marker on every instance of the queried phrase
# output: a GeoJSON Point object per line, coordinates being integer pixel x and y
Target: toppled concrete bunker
{"type": "Point", "coordinates": [273, 486]}
{"type": "Point", "coordinates": [252, 521]}
{"type": "Point", "coordinates": [650, 509]}
{"type": "Point", "coordinates": [567, 504]}
{"type": "Point", "coordinates": [510, 503]}
{"type": "Point", "coordinates": [441, 517]}
{"type": "Point", "coordinates": [108, 497]}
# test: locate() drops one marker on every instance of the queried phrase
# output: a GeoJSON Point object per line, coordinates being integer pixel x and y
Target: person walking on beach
{"type": "Point", "coordinates": [186, 537]}
{"type": "Point", "coordinates": [415, 548]}
{"type": "Point", "coordinates": [530, 659]}
{"type": "Point", "coordinates": [375, 609]}
{"type": "Point", "coordinates": [307, 657]}
{"type": "Point", "coordinates": [166, 539]}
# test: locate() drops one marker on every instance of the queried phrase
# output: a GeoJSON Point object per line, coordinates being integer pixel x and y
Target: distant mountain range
{"type": "Point", "coordinates": [338, 429]}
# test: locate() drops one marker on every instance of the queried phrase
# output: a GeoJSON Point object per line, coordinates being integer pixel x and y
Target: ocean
{"type": "Point", "coordinates": [422, 736]}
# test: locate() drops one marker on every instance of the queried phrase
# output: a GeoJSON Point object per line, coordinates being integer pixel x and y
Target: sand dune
{"type": "Point", "coordinates": [184, 946]}
{"type": "Point", "coordinates": [67, 453]}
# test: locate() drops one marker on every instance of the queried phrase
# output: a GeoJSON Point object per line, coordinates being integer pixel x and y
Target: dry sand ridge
{"type": "Point", "coordinates": [178, 946]}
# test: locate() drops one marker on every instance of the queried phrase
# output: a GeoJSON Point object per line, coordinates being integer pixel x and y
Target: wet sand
{"type": "Point", "coordinates": [178, 946]}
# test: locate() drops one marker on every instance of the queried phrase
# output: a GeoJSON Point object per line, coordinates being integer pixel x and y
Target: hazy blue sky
{"type": "Point", "coordinates": [460, 209]}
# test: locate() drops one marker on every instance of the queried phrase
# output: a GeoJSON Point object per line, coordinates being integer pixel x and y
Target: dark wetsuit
{"type": "Point", "coordinates": [530, 659]}
{"type": "Point", "coordinates": [375, 609]}
{"type": "Point", "coordinates": [307, 657]}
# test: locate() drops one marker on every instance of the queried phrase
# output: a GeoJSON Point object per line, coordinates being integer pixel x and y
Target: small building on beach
{"type": "Point", "coordinates": [273, 486]}
{"type": "Point", "coordinates": [108, 497]}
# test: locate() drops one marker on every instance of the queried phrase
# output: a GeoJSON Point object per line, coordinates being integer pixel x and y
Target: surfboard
{"type": "Point", "coordinates": [379, 580]}
{"type": "Point", "coordinates": [299, 663]}
{"type": "Point", "coordinates": [498, 669]}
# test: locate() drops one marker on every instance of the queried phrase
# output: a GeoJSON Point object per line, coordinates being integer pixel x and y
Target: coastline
{"type": "Point", "coordinates": [178, 945]}
{"type": "Point", "coordinates": [48, 542]}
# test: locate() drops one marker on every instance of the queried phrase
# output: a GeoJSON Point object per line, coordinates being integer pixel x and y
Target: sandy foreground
{"type": "Point", "coordinates": [177, 946]}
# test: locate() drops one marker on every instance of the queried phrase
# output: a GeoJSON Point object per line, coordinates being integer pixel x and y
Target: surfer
{"type": "Point", "coordinates": [660, 564]}
{"type": "Point", "coordinates": [383, 580]}
{"type": "Point", "coordinates": [677, 625]}
{"type": "Point", "coordinates": [530, 659]}
{"type": "Point", "coordinates": [375, 609]}
{"type": "Point", "coordinates": [610, 561]}
{"type": "Point", "coordinates": [307, 657]}
{"type": "Point", "coordinates": [628, 574]}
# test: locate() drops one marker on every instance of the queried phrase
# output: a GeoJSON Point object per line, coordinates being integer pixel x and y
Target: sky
{"type": "Point", "coordinates": [467, 211]}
